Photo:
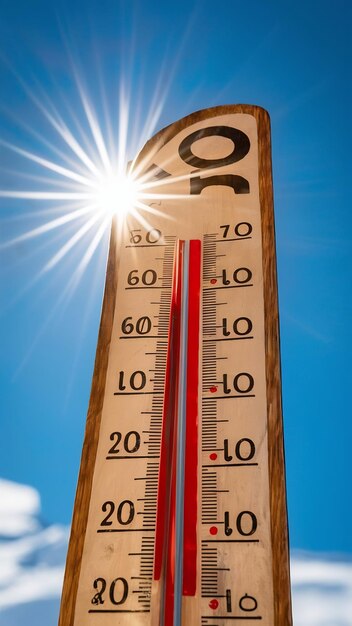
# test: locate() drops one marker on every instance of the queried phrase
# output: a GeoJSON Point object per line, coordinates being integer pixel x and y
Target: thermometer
{"type": "Point", "coordinates": [180, 512]}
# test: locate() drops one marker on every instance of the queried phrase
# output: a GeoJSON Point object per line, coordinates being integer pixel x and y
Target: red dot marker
{"type": "Point", "coordinates": [213, 456]}
{"type": "Point", "coordinates": [213, 604]}
{"type": "Point", "coordinates": [213, 281]}
{"type": "Point", "coordinates": [213, 389]}
{"type": "Point", "coordinates": [213, 530]}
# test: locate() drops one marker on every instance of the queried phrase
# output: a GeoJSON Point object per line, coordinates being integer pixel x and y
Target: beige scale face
{"type": "Point", "coordinates": [209, 192]}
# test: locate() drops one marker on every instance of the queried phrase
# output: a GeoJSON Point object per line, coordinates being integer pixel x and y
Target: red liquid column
{"type": "Point", "coordinates": [175, 562]}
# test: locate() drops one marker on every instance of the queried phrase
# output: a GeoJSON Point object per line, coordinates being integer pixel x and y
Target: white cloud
{"type": "Point", "coordinates": [19, 507]}
{"type": "Point", "coordinates": [321, 590]}
{"type": "Point", "coordinates": [32, 560]}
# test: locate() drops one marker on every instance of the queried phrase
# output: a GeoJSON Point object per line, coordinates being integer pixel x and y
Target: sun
{"type": "Point", "coordinates": [82, 179]}
{"type": "Point", "coordinates": [117, 194]}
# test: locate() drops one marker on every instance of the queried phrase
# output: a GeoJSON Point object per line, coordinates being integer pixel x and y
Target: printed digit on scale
{"type": "Point", "coordinates": [180, 513]}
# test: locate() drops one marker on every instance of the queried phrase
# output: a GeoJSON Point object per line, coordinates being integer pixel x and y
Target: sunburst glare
{"type": "Point", "coordinates": [117, 194]}
{"type": "Point", "coordinates": [72, 167]}
{"type": "Point", "coordinates": [85, 173]}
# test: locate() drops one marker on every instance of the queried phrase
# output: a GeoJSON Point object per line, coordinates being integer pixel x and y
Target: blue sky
{"type": "Point", "coordinates": [291, 58]}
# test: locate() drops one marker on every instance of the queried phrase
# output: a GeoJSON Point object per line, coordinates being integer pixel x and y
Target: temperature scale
{"type": "Point", "coordinates": [180, 513]}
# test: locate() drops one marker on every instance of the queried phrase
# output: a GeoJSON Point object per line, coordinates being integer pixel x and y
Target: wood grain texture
{"type": "Point", "coordinates": [81, 506]}
{"type": "Point", "coordinates": [278, 510]}
{"type": "Point", "coordinates": [279, 531]}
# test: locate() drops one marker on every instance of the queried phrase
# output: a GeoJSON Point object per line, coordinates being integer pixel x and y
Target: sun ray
{"type": "Point", "coordinates": [57, 124]}
{"type": "Point", "coordinates": [62, 208]}
{"type": "Point", "coordinates": [155, 109]}
{"type": "Point", "coordinates": [82, 266]}
{"type": "Point", "coordinates": [71, 141]}
{"type": "Point", "coordinates": [141, 219]}
{"type": "Point", "coordinates": [52, 147]}
{"type": "Point", "coordinates": [42, 179]}
{"type": "Point", "coordinates": [93, 125]}
{"type": "Point", "coordinates": [86, 314]}
{"type": "Point", "coordinates": [50, 165]}
{"type": "Point", "coordinates": [108, 122]}
{"type": "Point", "coordinates": [123, 132]}
{"type": "Point", "coordinates": [70, 243]}
{"type": "Point", "coordinates": [164, 196]}
{"type": "Point", "coordinates": [89, 110]}
{"type": "Point", "coordinates": [63, 299]}
{"type": "Point", "coordinates": [44, 195]}
{"type": "Point", "coordinates": [149, 209]}
{"type": "Point", "coordinates": [82, 165]}
{"type": "Point", "coordinates": [38, 276]}
{"type": "Point", "coordinates": [45, 228]}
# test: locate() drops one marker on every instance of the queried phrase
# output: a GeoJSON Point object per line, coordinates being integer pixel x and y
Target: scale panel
{"type": "Point", "coordinates": [207, 193]}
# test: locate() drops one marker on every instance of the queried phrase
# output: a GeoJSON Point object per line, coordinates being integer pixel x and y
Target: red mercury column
{"type": "Point", "coordinates": [175, 560]}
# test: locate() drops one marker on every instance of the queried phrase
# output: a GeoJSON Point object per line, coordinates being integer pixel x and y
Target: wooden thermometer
{"type": "Point", "coordinates": [180, 513]}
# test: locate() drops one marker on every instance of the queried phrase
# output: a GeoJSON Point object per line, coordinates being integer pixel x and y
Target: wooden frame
{"type": "Point", "coordinates": [279, 531]}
